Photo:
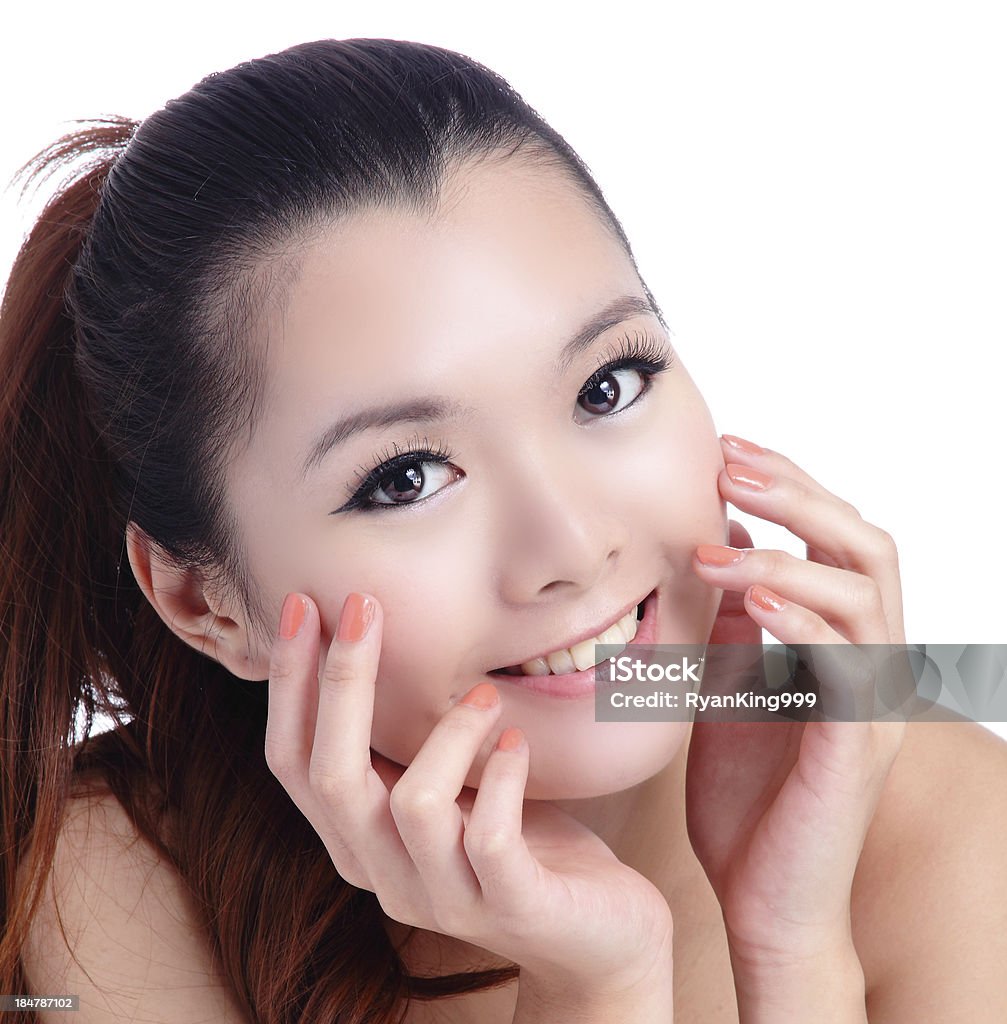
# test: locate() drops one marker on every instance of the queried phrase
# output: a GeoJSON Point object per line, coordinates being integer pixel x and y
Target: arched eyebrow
{"type": "Point", "coordinates": [435, 407]}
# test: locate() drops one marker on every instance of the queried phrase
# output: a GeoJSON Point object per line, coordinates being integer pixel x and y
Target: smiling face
{"type": "Point", "coordinates": [540, 514]}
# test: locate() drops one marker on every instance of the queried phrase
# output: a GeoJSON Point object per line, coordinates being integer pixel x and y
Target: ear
{"type": "Point", "coordinates": [192, 610]}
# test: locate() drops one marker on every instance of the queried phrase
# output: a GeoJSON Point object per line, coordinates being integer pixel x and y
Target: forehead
{"type": "Point", "coordinates": [512, 248]}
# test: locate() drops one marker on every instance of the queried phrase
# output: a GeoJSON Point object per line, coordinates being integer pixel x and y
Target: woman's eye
{"type": "Point", "coordinates": [603, 396]}
{"type": "Point", "coordinates": [405, 485]}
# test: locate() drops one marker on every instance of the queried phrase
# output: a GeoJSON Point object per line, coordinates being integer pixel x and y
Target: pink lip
{"type": "Point", "coordinates": [583, 635]}
{"type": "Point", "coordinates": [575, 685]}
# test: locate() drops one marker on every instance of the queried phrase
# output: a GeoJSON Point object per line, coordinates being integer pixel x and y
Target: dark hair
{"type": "Point", "coordinates": [127, 374]}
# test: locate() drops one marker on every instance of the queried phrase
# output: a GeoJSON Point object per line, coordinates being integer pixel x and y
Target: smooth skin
{"type": "Point", "coordinates": [516, 545]}
{"type": "Point", "coordinates": [545, 891]}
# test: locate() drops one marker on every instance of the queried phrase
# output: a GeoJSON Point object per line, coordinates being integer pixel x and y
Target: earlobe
{"type": "Point", "coordinates": [188, 608]}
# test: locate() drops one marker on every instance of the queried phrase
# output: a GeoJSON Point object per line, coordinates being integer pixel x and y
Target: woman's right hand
{"type": "Point", "coordinates": [521, 879]}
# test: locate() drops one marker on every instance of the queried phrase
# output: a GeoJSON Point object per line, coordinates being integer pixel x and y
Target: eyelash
{"type": "Point", "coordinates": [641, 352]}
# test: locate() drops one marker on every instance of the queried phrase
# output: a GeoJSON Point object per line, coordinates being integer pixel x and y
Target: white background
{"type": "Point", "coordinates": [815, 194]}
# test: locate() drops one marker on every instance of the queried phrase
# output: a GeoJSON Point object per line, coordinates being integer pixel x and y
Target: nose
{"type": "Point", "coordinates": [559, 531]}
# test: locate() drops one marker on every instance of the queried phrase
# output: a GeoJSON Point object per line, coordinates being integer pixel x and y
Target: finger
{"type": "Point", "coordinates": [733, 625]}
{"type": "Point", "coordinates": [341, 747]}
{"type": "Point", "coordinates": [845, 673]}
{"type": "Point", "coordinates": [849, 601]}
{"type": "Point", "coordinates": [350, 801]}
{"type": "Point", "coordinates": [494, 840]}
{"type": "Point", "coordinates": [779, 492]}
{"type": "Point", "coordinates": [293, 696]}
{"type": "Point", "coordinates": [426, 813]}
{"type": "Point", "coordinates": [291, 719]}
{"type": "Point", "coordinates": [767, 460]}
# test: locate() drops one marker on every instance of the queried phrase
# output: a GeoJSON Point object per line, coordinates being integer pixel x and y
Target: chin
{"type": "Point", "coordinates": [635, 752]}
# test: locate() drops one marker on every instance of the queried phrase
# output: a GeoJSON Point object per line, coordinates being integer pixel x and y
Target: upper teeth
{"type": "Point", "coordinates": [584, 654]}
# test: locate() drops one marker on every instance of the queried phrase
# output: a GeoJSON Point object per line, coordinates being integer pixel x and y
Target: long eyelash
{"type": "Point", "coordinates": [388, 462]}
{"type": "Point", "coordinates": [637, 351]}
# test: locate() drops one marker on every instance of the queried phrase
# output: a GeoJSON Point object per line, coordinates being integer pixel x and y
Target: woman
{"type": "Point", "coordinates": [364, 273]}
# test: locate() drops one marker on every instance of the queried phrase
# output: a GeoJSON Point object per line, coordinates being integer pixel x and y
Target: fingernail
{"type": "Point", "coordinates": [748, 477]}
{"type": "Point", "coordinates": [742, 445]}
{"type": "Point", "coordinates": [718, 555]}
{"type": "Point", "coordinates": [292, 616]}
{"type": "Point", "coordinates": [510, 739]}
{"type": "Point", "coordinates": [483, 695]}
{"type": "Point", "coordinates": [766, 599]}
{"type": "Point", "coordinates": [355, 618]}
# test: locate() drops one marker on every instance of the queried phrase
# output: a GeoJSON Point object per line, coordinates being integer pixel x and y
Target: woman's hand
{"type": "Point", "coordinates": [778, 812]}
{"type": "Point", "coordinates": [544, 892]}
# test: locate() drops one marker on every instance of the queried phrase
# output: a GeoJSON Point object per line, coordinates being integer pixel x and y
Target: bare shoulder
{"type": "Point", "coordinates": [930, 895]}
{"type": "Point", "coordinates": [137, 950]}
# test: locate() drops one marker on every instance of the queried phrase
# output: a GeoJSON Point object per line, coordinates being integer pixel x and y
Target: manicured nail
{"type": "Point", "coordinates": [718, 555]}
{"type": "Point", "coordinates": [483, 695]}
{"type": "Point", "coordinates": [292, 616]}
{"type": "Point", "coordinates": [766, 599]}
{"type": "Point", "coordinates": [742, 445]}
{"type": "Point", "coordinates": [510, 739]}
{"type": "Point", "coordinates": [748, 477]}
{"type": "Point", "coordinates": [355, 618]}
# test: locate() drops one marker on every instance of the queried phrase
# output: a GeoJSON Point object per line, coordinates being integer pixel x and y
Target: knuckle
{"type": "Point", "coordinates": [884, 543]}
{"type": "Point", "coordinates": [413, 801]}
{"type": "Point", "coordinates": [399, 909]}
{"type": "Point", "coordinates": [281, 671]}
{"type": "Point", "coordinates": [778, 565]}
{"type": "Point", "coordinates": [347, 866]}
{"type": "Point", "coordinates": [487, 844]}
{"type": "Point", "coordinates": [355, 878]}
{"type": "Point", "coordinates": [864, 592]}
{"type": "Point", "coordinates": [328, 787]}
{"type": "Point", "coordinates": [279, 760]}
{"type": "Point", "coordinates": [337, 673]}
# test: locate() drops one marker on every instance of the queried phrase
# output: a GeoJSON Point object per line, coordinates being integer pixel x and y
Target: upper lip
{"type": "Point", "coordinates": [584, 634]}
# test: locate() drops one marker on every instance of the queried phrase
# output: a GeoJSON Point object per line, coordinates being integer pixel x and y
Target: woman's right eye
{"type": "Point", "coordinates": [405, 485]}
{"type": "Point", "coordinates": [400, 479]}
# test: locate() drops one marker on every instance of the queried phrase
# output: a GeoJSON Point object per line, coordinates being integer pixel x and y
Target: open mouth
{"type": "Point", "coordinates": [582, 655]}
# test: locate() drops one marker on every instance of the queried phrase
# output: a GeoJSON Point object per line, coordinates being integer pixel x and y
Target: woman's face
{"type": "Point", "coordinates": [551, 513]}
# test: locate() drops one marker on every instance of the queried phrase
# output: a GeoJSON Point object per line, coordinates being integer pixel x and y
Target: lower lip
{"type": "Point", "coordinates": [575, 685]}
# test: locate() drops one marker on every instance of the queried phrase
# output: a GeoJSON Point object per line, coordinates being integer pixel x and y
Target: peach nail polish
{"type": "Point", "coordinates": [292, 616]}
{"type": "Point", "coordinates": [766, 599]}
{"type": "Point", "coordinates": [510, 739]}
{"type": "Point", "coordinates": [742, 445]}
{"type": "Point", "coordinates": [748, 477]}
{"type": "Point", "coordinates": [483, 695]}
{"type": "Point", "coordinates": [718, 555]}
{"type": "Point", "coordinates": [355, 618]}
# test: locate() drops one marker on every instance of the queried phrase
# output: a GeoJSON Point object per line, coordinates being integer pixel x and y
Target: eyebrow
{"type": "Point", "coordinates": [435, 407]}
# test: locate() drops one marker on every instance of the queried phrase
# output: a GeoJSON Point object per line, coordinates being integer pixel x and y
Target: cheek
{"type": "Point", "coordinates": [669, 476]}
{"type": "Point", "coordinates": [418, 584]}
{"type": "Point", "coordinates": [677, 503]}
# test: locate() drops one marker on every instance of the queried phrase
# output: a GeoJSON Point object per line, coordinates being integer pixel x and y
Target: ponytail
{"type": "Point", "coordinates": [55, 530]}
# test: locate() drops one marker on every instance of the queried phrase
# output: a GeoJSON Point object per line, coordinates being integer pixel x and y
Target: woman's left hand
{"type": "Point", "coordinates": [778, 811]}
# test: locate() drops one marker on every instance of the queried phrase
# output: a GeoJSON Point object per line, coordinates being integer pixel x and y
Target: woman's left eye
{"type": "Point", "coordinates": [602, 394]}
